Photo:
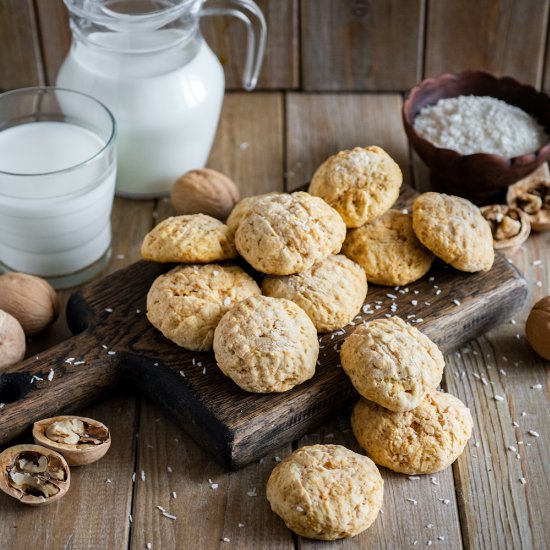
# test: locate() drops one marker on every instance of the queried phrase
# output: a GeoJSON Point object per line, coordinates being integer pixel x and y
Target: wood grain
{"type": "Point", "coordinates": [497, 510]}
{"type": "Point", "coordinates": [361, 44]}
{"type": "Point", "coordinates": [20, 59]}
{"type": "Point", "coordinates": [55, 35]}
{"type": "Point", "coordinates": [496, 35]}
{"type": "Point", "coordinates": [320, 125]}
{"type": "Point", "coordinates": [227, 37]}
{"type": "Point", "coordinates": [209, 504]}
{"type": "Point", "coordinates": [249, 143]}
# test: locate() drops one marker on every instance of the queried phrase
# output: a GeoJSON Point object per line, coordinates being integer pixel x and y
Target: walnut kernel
{"type": "Point", "coordinates": [80, 440]}
{"type": "Point", "coordinates": [509, 226]}
{"type": "Point", "coordinates": [33, 474]}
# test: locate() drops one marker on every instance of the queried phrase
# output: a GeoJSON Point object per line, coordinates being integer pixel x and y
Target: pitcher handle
{"type": "Point", "coordinates": [249, 13]}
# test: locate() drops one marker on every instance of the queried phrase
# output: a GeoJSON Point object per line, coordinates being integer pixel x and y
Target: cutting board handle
{"type": "Point", "coordinates": [62, 379]}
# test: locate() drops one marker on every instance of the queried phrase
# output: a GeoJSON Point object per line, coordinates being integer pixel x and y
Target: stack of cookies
{"type": "Point", "coordinates": [264, 343]}
{"type": "Point", "coordinates": [396, 248]}
{"type": "Point", "coordinates": [401, 420]}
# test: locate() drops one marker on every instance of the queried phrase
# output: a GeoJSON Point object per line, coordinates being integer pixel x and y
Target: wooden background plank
{"type": "Point", "coordinates": [55, 36]}
{"type": "Point", "coordinates": [501, 36]}
{"type": "Point", "coordinates": [361, 44]}
{"type": "Point", "coordinates": [20, 58]}
{"type": "Point", "coordinates": [227, 37]}
{"type": "Point", "coordinates": [320, 125]}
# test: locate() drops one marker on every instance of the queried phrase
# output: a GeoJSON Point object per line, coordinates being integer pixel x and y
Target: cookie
{"type": "Point", "coordinates": [326, 492]}
{"type": "Point", "coordinates": [194, 238]}
{"type": "Point", "coordinates": [361, 184]}
{"type": "Point", "coordinates": [422, 441]}
{"type": "Point", "coordinates": [388, 250]}
{"type": "Point", "coordinates": [266, 345]}
{"type": "Point", "coordinates": [454, 230]}
{"type": "Point", "coordinates": [242, 207]}
{"type": "Point", "coordinates": [285, 234]}
{"type": "Point", "coordinates": [392, 363]}
{"type": "Point", "coordinates": [331, 292]}
{"type": "Point", "coordinates": [187, 303]}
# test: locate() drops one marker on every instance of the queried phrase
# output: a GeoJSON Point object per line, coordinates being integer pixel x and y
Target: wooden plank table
{"type": "Point", "coordinates": [273, 141]}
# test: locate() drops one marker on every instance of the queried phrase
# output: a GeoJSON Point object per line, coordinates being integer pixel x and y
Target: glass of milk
{"type": "Point", "coordinates": [147, 61]}
{"type": "Point", "coordinates": [57, 181]}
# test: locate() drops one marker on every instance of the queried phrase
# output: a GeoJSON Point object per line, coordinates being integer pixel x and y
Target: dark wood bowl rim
{"type": "Point", "coordinates": [483, 157]}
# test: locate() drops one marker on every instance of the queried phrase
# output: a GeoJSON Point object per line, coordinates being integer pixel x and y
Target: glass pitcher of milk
{"type": "Point", "coordinates": [147, 61]}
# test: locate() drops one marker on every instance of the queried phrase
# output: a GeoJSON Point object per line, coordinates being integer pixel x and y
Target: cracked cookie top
{"type": "Point", "coordinates": [285, 234]}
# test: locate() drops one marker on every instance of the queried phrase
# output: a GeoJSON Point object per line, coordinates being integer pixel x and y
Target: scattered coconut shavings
{"type": "Point", "coordinates": [411, 500]}
{"type": "Point", "coordinates": [253, 492]}
{"type": "Point", "coordinates": [169, 469]}
{"type": "Point", "coordinates": [69, 360]}
{"type": "Point", "coordinates": [533, 433]}
{"type": "Point", "coordinates": [225, 539]}
{"type": "Point", "coordinates": [445, 500]}
{"type": "Point", "coordinates": [148, 546]}
{"type": "Point", "coordinates": [111, 353]}
{"type": "Point", "coordinates": [142, 475]}
{"type": "Point", "coordinates": [537, 387]}
{"type": "Point", "coordinates": [456, 302]}
{"type": "Point", "coordinates": [522, 480]}
{"type": "Point", "coordinates": [498, 398]}
{"type": "Point", "coordinates": [512, 449]}
{"type": "Point", "coordinates": [51, 374]}
{"type": "Point", "coordinates": [240, 525]}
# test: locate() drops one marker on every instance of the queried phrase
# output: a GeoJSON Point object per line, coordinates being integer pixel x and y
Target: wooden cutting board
{"type": "Point", "coordinates": [115, 345]}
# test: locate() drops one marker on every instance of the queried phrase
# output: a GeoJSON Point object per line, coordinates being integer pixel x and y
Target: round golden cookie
{"type": "Point", "coordinates": [422, 441]}
{"type": "Point", "coordinates": [331, 292]}
{"type": "Point", "coordinates": [187, 303]}
{"type": "Point", "coordinates": [392, 363]}
{"type": "Point", "coordinates": [388, 250]}
{"type": "Point", "coordinates": [194, 238]}
{"type": "Point", "coordinates": [326, 492]}
{"type": "Point", "coordinates": [242, 207]}
{"type": "Point", "coordinates": [266, 345]}
{"type": "Point", "coordinates": [285, 234]}
{"type": "Point", "coordinates": [454, 229]}
{"type": "Point", "coordinates": [361, 183]}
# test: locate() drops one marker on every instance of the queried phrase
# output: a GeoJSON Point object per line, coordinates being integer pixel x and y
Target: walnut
{"type": "Point", "coordinates": [31, 300]}
{"type": "Point", "coordinates": [204, 192]}
{"type": "Point", "coordinates": [33, 474]}
{"type": "Point", "coordinates": [80, 440]}
{"type": "Point", "coordinates": [12, 340]}
{"type": "Point", "coordinates": [537, 327]}
{"type": "Point", "coordinates": [509, 226]}
{"type": "Point", "coordinates": [532, 196]}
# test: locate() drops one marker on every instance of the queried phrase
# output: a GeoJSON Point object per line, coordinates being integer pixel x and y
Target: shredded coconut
{"type": "Point", "coordinates": [480, 124]}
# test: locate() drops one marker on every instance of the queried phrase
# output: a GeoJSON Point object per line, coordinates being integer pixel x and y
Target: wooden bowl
{"type": "Point", "coordinates": [481, 178]}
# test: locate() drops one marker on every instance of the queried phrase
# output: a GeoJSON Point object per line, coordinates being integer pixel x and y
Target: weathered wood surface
{"type": "Point", "coordinates": [361, 44]}
{"type": "Point", "coordinates": [495, 509]}
{"type": "Point", "coordinates": [20, 58]}
{"type": "Point", "coordinates": [502, 36]}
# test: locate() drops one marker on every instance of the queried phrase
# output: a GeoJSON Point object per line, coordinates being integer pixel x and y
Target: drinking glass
{"type": "Point", "coordinates": [57, 181]}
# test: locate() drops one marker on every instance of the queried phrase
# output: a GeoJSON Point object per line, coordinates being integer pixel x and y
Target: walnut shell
{"type": "Point", "coordinates": [532, 195]}
{"type": "Point", "coordinates": [510, 226]}
{"type": "Point", "coordinates": [31, 300]}
{"type": "Point", "coordinates": [80, 440]}
{"type": "Point", "coordinates": [537, 328]}
{"type": "Point", "coordinates": [33, 474]}
{"type": "Point", "coordinates": [204, 191]}
{"type": "Point", "coordinates": [12, 340]}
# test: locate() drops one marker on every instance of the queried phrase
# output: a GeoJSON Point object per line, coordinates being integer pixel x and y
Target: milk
{"type": "Point", "coordinates": [166, 99]}
{"type": "Point", "coordinates": [56, 193]}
